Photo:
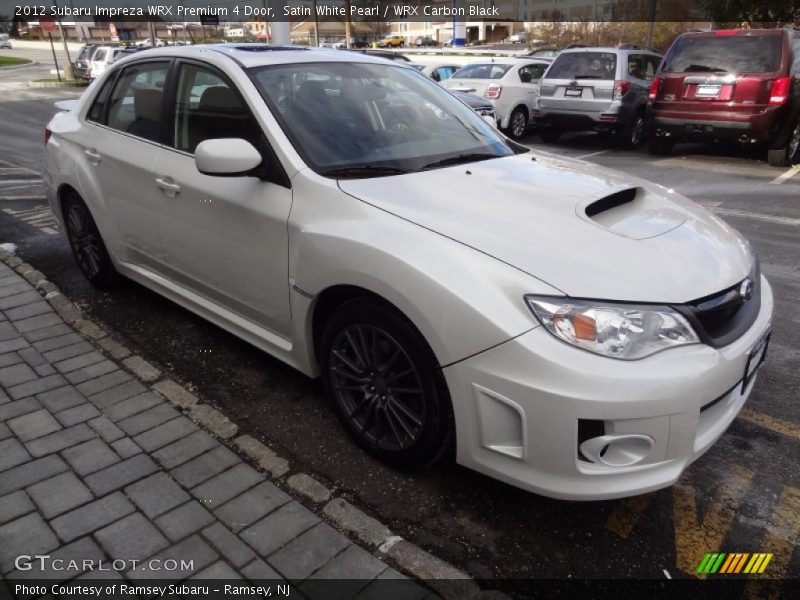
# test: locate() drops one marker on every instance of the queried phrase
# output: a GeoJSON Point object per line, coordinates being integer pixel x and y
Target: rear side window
{"type": "Point", "coordinates": [99, 55]}
{"type": "Point", "coordinates": [443, 73]}
{"type": "Point", "coordinates": [135, 104]}
{"type": "Point", "coordinates": [98, 111]}
{"type": "Point", "coordinates": [796, 50]}
{"type": "Point", "coordinates": [482, 71]}
{"type": "Point", "coordinates": [642, 66]}
{"type": "Point", "coordinates": [736, 54]}
{"type": "Point", "coordinates": [584, 65]}
{"type": "Point", "coordinates": [532, 72]}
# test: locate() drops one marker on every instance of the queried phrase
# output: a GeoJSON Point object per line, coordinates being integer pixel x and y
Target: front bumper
{"type": "Point", "coordinates": [518, 407]}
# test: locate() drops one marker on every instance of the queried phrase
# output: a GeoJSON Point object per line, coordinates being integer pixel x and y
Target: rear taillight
{"type": "Point", "coordinates": [493, 91]}
{"type": "Point", "coordinates": [779, 94]}
{"type": "Point", "coordinates": [621, 88]}
{"type": "Point", "coordinates": [47, 134]}
{"type": "Point", "coordinates": [655, 86]}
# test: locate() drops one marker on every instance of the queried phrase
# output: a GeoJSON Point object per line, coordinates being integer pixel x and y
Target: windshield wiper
{"type": "Point", "coordinates": [362, 171]}
{"type": "Point", "coordinates": [587, 77]}
{"type": "Point", "coordinates": [458, 160]}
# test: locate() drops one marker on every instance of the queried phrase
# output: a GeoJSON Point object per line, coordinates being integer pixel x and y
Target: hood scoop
{"type": "Point", "coordinates": [632, 213]}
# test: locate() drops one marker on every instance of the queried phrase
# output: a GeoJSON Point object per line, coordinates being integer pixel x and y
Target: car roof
{"type": "Point", "coordinates": [608, 49]}
{"type": "Point", "coordinates": [258, 55]}
{"type": "Point", "coordinates": [504, 60]}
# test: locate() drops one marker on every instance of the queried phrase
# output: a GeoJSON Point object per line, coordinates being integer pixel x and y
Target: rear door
{"type": "Point", "coordinates": [723, 71]}
{"type": "Point", "coordinates": [120, 144]}
{"type": "Point", "coordinates": [579, 81]}
{"type": "Point", "coordinates": [530, 75]}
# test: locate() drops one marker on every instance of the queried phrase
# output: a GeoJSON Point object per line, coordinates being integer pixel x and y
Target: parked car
{"type": "Point", "coordinates": [480, 105]}
{"type": "Point", "coordinates": [518, 38]}
{"type": "Point", "coordinates": [388, 55]}
{"type": "Point", "coordinates": [549, 53]}
{"type": "Point", "coordinates": [102, 58]}
{"type": "Point", "coordinates": [392, 41]}
{"type": "Point", "coordinates": [571, 330]}
{"type": "Point", "coordinates": [511, 84]}
{"type": "Point", "coordinates": [597, 89]}
{"type": "Point", "coordinates": [81, 68]}
{"type": "Point", "coordinates": [439, 71]}
{"type": "Point", "coordinates": [424, 41]}
{"type": "Point", "coordinates": [741, 85]}
{"type": "Point", "coordinates": [5, 41]}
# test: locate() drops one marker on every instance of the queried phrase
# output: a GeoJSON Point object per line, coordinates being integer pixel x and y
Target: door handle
{"type": "Point", "coordinates": [169, 187]}
{"type": "Point", "coordinates": [93, 156]}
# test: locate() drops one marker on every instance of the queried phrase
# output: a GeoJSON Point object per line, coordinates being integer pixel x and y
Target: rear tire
{"type": "Point", "coordinates": [517, 123]}
{"type": "Point", "coordinates": [660, 146]}
{"type": "Point", "coordinates": [385, 384]}
{"type": "Point", "coordinates": [87, 245]}
{"type": "Point", "coordinates": [550, 135]}
{"type": "Point", "coordinates": [783, 156]}
{"type": "Point", "coordinates": [632, 135]}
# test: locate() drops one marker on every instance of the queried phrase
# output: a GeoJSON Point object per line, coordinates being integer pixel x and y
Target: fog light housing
{"type": "Point", "coordinates": [618, 450]}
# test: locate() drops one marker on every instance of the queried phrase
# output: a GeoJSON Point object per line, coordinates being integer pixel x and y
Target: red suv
{"type": "Point", "coordinates": [738, 84]}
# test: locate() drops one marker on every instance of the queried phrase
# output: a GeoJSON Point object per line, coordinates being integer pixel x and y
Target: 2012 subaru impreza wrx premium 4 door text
{"type": "Point", "coordinates": [562, 327]}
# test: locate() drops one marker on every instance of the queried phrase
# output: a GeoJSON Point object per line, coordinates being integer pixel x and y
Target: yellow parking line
{"type": "Point", "coordinates": [695, 537]}
{"type": "Point", "coordinates": [772, 423]}
{"type": "Point", "coordinates": [783, 535]}
{"type": "Point", "coordinates": [626, 514]}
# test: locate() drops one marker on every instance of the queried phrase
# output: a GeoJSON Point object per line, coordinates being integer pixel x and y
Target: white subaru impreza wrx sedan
{"type": "Point", "coordinates": [568, 329]}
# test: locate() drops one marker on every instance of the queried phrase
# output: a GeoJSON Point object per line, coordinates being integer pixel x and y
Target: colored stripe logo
{"type": "Point", "coordinates": [734, 562]}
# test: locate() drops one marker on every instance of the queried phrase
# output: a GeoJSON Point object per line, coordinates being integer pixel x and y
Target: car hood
{"type": "Point", "coordinates": [586, 230]}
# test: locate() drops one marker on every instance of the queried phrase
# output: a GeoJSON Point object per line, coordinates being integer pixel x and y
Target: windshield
{"type": "Point", "coordinates": [482, 71]}
{"type": "Point", "coordinates": [724, 54]}
{"type": "Point", "coordinates": [370, 120]}
{"type": "Point", "coordinates": [583, 65]}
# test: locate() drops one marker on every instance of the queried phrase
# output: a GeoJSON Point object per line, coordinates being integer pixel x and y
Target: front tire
{"type": "Point", "coordinates": [385, 384]}
{"type": "Point", "coordinates": [783, 156]}
{"type": "Point", "coordinates": [87, 245]}
{"type": "Point", "coordinates": [517, 123]}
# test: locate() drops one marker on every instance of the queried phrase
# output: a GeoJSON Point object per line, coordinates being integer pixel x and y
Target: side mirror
{"type": "Point", "coordinates": [226, 157]}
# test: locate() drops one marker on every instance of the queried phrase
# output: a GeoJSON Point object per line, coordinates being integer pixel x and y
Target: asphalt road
{"type": "Point", "coordinates": [743, 495]}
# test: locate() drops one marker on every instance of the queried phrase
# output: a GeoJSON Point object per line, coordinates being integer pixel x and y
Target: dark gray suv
{"type": "Point", "coordinates": [597, 89]}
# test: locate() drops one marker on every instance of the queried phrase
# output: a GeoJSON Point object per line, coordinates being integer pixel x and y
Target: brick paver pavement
{"type": "Point", "coordinates": [94, 466]}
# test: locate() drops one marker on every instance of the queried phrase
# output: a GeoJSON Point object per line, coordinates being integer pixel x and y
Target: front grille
{"type": "Point", "coordinates": [722, 318]}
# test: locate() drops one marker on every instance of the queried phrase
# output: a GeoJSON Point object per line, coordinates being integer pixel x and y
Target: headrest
{"type": "Point", "coordinates": [147, 104]}
{"type": "Point", "coordinates": [219, 98]}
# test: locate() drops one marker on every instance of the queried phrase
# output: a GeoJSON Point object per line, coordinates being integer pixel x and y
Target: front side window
{"type": "Point", "coordinates": [584, 65]}
{"type": "Point", "coordinates": [206, 107]}
{"type": "Point", "coordinates": [135, 103]}
{"type": "Point", "coordinates": [373, 119]}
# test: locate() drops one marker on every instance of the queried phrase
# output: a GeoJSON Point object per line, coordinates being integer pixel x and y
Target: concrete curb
{"type": "Point", "coordinates": [448, 581]}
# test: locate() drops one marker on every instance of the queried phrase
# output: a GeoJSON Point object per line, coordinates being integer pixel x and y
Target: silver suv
{"type": "Point", "coordinates": [597, 89]}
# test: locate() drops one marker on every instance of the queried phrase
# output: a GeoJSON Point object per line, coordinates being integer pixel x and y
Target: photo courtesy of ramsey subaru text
{"type": "Point", "coordinates": [565, 328]}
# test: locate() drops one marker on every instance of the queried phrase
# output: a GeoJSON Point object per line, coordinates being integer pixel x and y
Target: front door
{"type": "Point", "coordinates": [225, 238]}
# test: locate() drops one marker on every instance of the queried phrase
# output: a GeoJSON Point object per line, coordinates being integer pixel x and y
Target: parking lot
{"type": "Point", "coordinates": [742, 496]}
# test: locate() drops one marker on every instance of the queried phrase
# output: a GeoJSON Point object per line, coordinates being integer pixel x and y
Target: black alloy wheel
{"type": "Point", "coordinates": [385, 385]}
{"type": "Point", "coordinates": [87, 245]}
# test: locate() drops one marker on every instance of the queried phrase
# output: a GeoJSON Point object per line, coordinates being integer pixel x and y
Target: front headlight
{"type": "Point", "coordinates": [625, 331]}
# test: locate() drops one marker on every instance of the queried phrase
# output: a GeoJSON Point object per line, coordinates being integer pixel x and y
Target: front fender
{"type": "Point", "coordinates": [462, 301]}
